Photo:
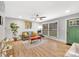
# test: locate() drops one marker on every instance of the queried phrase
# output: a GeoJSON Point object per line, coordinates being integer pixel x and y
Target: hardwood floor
{"type": "Point", "coordinates": [51, 48]}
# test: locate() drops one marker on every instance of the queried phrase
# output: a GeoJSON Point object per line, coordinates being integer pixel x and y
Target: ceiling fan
{"type": "Point", "coordinates": [39, 17]}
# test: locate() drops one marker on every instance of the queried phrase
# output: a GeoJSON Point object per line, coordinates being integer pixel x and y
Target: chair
{"type": "Point", "coordinates": [25, 36]}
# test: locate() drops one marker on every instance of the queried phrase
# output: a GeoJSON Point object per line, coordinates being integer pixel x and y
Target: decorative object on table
{"type": "Point", "coordinates": [28, 24]}
{"type": "Point", "coordinates": [14, 29]}
{"type": "Point", "coordinates": [6, 51]}
{"type": "Point", "coordinates": [5, 48]}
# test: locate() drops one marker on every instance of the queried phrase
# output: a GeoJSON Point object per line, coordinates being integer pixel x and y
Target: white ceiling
{"type": "Point", "coordinates": [50, 9]}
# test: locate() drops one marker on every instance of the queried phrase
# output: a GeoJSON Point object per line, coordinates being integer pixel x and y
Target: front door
{"type": "Point", "coordinates": [73, 31]}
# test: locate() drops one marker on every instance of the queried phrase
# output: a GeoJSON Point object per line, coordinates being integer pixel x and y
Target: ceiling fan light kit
{"type": "Point", "coordinates": [40, 17]}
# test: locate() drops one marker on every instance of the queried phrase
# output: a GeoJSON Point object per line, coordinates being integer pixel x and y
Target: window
{"type": "Point", "coordinates": [74, 22]}
{"type": "Point", "coordinates": [45, 29]}
{"type": "Point", "coordinates": [52, 30]}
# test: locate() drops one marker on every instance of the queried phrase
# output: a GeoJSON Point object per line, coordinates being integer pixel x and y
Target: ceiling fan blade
{"type": "Point", "coordinates": [38, 17]}
{"type": "Point", "coordinates": [42, 17]}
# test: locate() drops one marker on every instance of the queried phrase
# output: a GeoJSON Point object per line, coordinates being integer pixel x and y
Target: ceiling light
{"type": "Point", "coordinates": [20, 17]}
{"type": "Point", "coordinates": [67, 11]}
{"type": "Point", "coordinates": [38, 19]}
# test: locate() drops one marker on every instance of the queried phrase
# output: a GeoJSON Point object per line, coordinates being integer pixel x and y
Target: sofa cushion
{"type": "Point", "coordinates": [35, 37]}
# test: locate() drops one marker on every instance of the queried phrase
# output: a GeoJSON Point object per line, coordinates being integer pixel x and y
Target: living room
{"type": "Point", "coordinates": [39, 28]}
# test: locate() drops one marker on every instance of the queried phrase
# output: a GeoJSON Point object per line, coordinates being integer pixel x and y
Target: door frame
{"type": "Point", "coordinates": [67, 32]}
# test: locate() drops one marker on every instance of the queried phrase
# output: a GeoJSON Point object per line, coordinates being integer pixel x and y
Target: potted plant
{"type": "Point", "coordinates": [14, 29]}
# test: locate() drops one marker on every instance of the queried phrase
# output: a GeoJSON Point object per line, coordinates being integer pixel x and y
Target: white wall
{"type": "Point", "coordinates": [2, 13]}
{"type": "Point", "coordinates": [2, 31]}
{"type": "Point", "coordinates": [62, 26]}
{"type": "Point", "coordinates": [21, 25]}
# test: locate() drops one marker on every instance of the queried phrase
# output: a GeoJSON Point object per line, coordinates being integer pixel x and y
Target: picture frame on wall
{"type": "Point", "coordinates": [28, 24]}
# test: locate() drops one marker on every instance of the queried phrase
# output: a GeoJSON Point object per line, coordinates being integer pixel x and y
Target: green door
{"type": "Point", "coordinates": [73, 31]}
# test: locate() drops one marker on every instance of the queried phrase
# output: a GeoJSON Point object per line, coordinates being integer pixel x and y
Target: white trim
{"type": "Point", "coordinates": [57, 28]}
{"type": "Point", "coordinates": [48, 29]}
{"type": "Point", "coordinates": [66, 31]}
{"type": "Point", "coordinates": [54, 38]}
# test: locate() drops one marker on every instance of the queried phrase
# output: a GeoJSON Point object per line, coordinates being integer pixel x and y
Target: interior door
{"type": "Point", "coordinates": [73, 31]}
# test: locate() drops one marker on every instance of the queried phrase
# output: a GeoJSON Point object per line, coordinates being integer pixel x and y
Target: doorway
{"type": "Point", "coordinates": [73, 31]}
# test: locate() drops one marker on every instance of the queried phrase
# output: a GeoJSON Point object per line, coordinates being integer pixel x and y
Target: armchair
{"type": "Point", "coordinates": [25, 36]}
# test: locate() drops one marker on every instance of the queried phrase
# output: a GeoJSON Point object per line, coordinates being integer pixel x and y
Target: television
{"type": "Point", "coordinates": [0, 20]}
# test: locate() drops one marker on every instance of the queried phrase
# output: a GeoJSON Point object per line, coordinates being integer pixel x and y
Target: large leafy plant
{"type": "Point", "coordinates": [14, 28]}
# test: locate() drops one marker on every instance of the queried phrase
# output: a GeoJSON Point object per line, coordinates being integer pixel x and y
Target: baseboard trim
{"type": "Point", "coordinates": [56, 39]}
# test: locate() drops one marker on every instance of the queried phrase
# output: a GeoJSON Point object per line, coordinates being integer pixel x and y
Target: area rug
{"type": "Point", "coordinates": [35, 43]}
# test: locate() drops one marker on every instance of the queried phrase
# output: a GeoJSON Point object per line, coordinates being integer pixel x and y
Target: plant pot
{"type": "Point", "coordinates": [15, 39]}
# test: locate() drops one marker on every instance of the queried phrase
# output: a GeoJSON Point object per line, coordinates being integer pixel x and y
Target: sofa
{"type": "Point", "coordinates": [30, 36]}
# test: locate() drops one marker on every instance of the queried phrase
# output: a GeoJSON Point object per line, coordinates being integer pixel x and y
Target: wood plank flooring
{"type": "Point", "coordinates": [51, 48]}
